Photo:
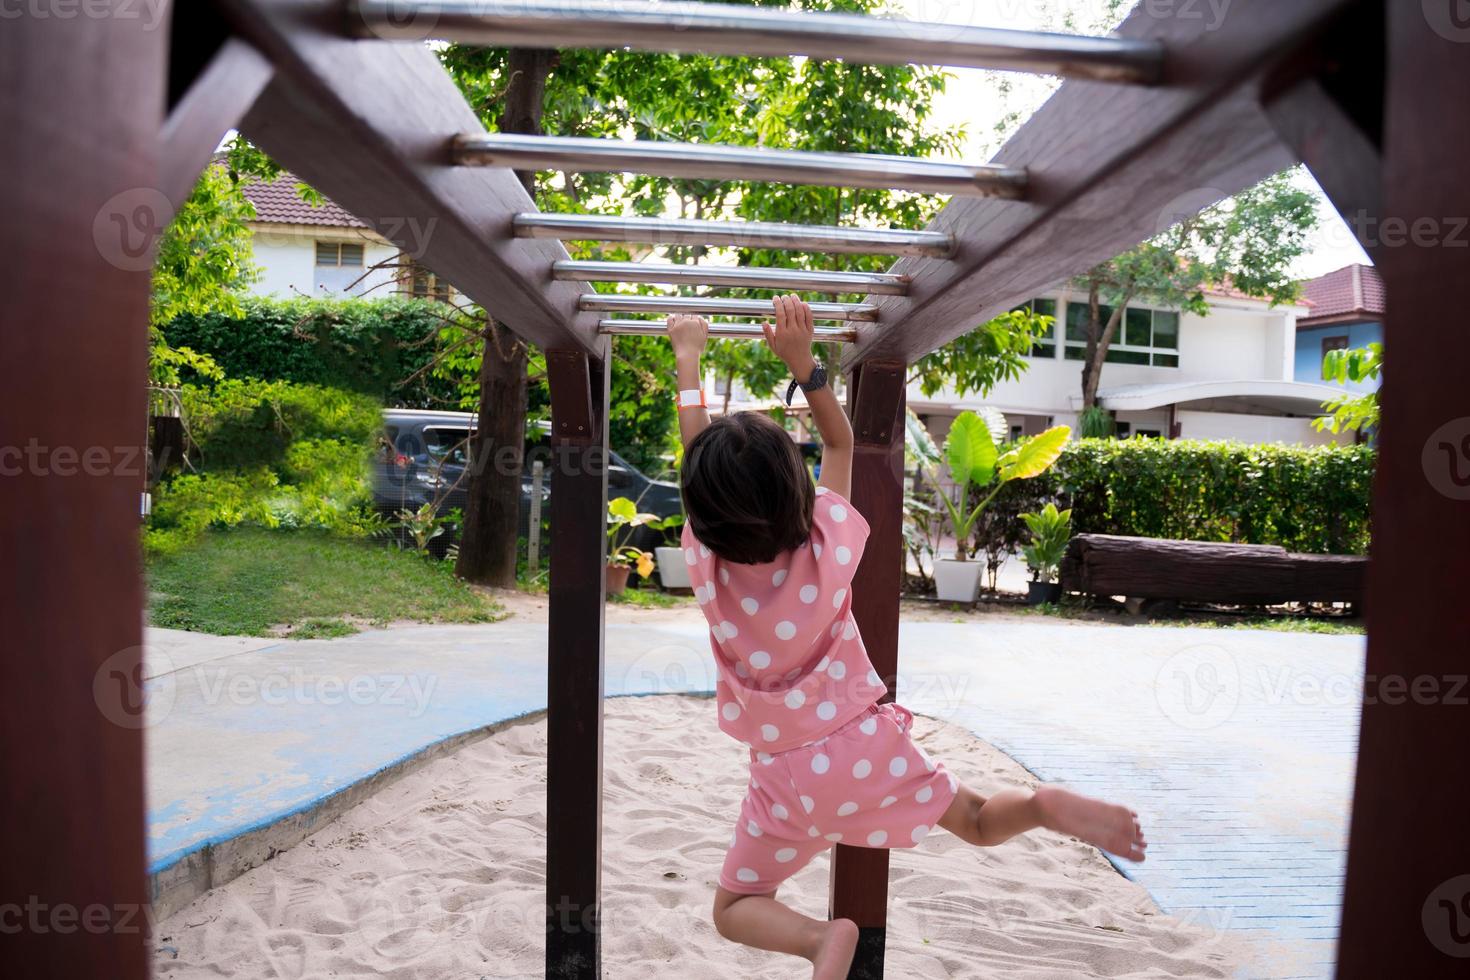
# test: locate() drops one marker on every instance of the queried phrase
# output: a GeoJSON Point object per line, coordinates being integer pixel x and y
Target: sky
{"type": "Point", "coordinates": [973, 100]}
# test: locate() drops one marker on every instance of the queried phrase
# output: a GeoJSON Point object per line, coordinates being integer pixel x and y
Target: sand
{"type": "Point", "coordinates": [440, 876]}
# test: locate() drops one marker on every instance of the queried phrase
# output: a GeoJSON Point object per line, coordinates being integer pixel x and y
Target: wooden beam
{"type": "Point", "coordinates": [579, 402]}
{"type": "Point", "coordinates": [859, 880]}
{"type": "Point", "coordinates": [367, 124]}
{"type": "Point", "coordinates": [1408, 874]}
{"type": "Point", "coordinates": [1109, 167]}
{"type": "Point", "coordinates": [1329, 109]}
{"type": "Point", "coordinates": [213, 105]}
{"type": "Point", "coordinates": [81, 109]}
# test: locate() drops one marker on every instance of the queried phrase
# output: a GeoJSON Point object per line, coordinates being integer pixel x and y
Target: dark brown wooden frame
{"type": "Point", "coordinates": [367, 122]}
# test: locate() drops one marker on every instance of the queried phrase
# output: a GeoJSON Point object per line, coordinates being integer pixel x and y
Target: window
{"type": "Point", "coordinates": [339, 255]}
{"type": "Point", "coordinates": [1330, 344]}
{"type": "Point", "coordinates": [448, 447]}
{"type": "Point", "coordinates": [1144, 337]}
{"type": "Point", "coordinates": [421, 283]}
{"type": "Point", "coordinates": [1046, 343]}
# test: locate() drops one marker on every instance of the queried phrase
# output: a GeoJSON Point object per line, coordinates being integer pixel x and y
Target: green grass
{"type": "Point", "coordinates": [649, 598]}
{"type": "Point", "coordinates": [1282, 624]}
{"type": "Point", "coordinates": [254, 582]}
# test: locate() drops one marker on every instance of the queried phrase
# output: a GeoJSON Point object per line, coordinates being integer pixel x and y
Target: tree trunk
{"type": "Point", "coordinates": [488, 541]}
{"type": "Point", "coordinates": [1099, 339]}
{"type": "Point", "coordinates": [488, 549]}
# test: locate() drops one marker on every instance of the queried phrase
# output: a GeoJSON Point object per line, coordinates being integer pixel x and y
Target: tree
{"type": "Point", "coordinates": [1351, 412]}
{"type": "Point", "coordinates": [487, 545]}
{"type": "Point", "coordinates": [803, 104]}
{"type": "Point", "coordinates": [1247, 243]}
{"type": "Point", "coordinates": [203, 262]}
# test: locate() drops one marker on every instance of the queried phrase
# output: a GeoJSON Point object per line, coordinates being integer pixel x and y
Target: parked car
{"type": "Point", "coordinates": [423, 457]}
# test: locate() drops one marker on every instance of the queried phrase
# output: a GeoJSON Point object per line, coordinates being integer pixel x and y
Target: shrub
{"type": "Point", "coordinates": [1307, 499]}
{"type": "Point", "coordinates": [272, 454]}
{"type": "Point", "coordinates": [376, 347]}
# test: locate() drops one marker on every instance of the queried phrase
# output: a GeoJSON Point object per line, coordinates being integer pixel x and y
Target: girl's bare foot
{"type": "Point", "coordinates": [834, 951]}
{"type": "Point", "coordinates": [1109, 826]}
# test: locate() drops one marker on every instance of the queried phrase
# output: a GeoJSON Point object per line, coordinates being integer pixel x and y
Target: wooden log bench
{"type": "Point", "coordinates": [1210, 572]}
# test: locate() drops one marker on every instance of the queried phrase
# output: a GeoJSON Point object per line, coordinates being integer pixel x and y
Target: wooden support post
{"type": "Point", "coordinates": [1408, 876]}
{"type": "Point", "coordinates": [859, 882]}
{"type": "Point", "coordinates": [578, 559]}
{"type": "Point", "coordinates": [81, 109]}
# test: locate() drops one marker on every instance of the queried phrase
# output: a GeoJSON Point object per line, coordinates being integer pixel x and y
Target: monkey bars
{"type": "Point", "coordinates": [611, 303]}
{"type": "Point", "coordinates": [735, 234]}
{"type": "Point", "coordinates": [756, 31]}
{"type": "Point", "coordinates": [749, 277]}
{"type": "Point", "coordinates": [714, 161]}
{"type": "Point", "coordinates": [719, 328]}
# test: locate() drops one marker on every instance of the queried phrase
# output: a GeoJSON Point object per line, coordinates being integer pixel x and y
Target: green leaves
{"type": "Point", "coordinates": [970, 451]}
{"type": "Point", "coordinates": [1034, 456]}
{"type": "Point", "coordinates": [975, 462]}
{"type": "Point", "coordinates": [1351, 411]}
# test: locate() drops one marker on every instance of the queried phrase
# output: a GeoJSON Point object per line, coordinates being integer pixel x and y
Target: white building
{"type": "Point", "coordinates": [320, 250]}
{"type": "Point", "coordinates": [1228, 375]}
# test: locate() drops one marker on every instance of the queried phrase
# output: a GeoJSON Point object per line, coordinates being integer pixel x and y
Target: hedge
{"type": "Point", "coordinates": [375, 347]}
{"type": "Point", "coordinates": [1306, 499]}
{"type": "Point", "coordinates": [269, 453]}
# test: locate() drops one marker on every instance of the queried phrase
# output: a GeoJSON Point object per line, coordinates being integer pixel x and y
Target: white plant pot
{"type": "Point", "coordinates": [673, 570]}
{"type": "Point", "coordinates": [957, 581]}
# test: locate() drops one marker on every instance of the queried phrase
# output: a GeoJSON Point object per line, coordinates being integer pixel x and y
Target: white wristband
{"type": "Point", "coordinates": [691, 398]}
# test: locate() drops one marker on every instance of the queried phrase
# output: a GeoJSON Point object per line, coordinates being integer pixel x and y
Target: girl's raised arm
{"type": "Point", "coordinates": [791, 339]}
{"type": "Point", "coordinates": [688, 335]}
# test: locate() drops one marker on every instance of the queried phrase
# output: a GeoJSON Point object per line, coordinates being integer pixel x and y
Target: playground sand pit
{"type": "Point", "coordinates": [440, 875]}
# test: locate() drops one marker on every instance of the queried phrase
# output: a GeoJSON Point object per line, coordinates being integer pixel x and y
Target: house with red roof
{"type": "Point", "coordinates": [304, 248]}
{"type": "Point", "coordinates": [1347, 312]}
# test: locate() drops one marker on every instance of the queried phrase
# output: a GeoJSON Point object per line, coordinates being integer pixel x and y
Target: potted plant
{"type": "Point", "coordinates": [976, 463]}
{"type": "Point", "coordinates": [673, 570]}
{"type": "Point", "coordinates": [1051, 529]}
{"type": "Point", "coordinates": [622, 557]}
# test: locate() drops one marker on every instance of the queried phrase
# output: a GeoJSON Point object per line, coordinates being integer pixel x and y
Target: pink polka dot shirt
{"type": "Point", "coordinates": [792, 666]}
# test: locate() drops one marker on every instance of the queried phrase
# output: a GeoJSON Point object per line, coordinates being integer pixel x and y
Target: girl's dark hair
{"type": "Point", "coordinates": [747, 494]}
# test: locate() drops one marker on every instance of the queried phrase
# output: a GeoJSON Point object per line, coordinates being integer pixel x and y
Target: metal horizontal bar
{"type": "Point", "coordinates": [829, 239]}
{"type": "Point", "coordinates": [607, 302]}
{"type": "Point", "coordinates": [724, 328]}
{"type": "Point", "coordinates": [751, 277]}
{"type": "Point", "coordinates": [717, 161]}
{"type": "Point", "coordinates": [757, 31]}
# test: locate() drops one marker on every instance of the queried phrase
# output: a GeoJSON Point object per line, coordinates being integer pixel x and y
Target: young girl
{"type": "Point", "coordinates": [772, 561]}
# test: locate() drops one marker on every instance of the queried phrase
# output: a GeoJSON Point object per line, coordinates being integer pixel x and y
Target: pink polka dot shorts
{"type": "Point", "coordinates": [866, 784]}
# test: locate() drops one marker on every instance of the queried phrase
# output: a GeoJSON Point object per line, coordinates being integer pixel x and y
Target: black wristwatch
{"type": "Point", "coordinates": [817, 380]}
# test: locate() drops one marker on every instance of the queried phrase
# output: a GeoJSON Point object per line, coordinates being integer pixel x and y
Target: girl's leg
{"type": "Point", "coordinates": [987, 822]}
{"type": "Point", "coordinates": [763, 922]}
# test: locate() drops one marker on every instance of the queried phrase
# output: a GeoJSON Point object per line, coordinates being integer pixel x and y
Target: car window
{"type": "Point", "coordinates": [448, 445]}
